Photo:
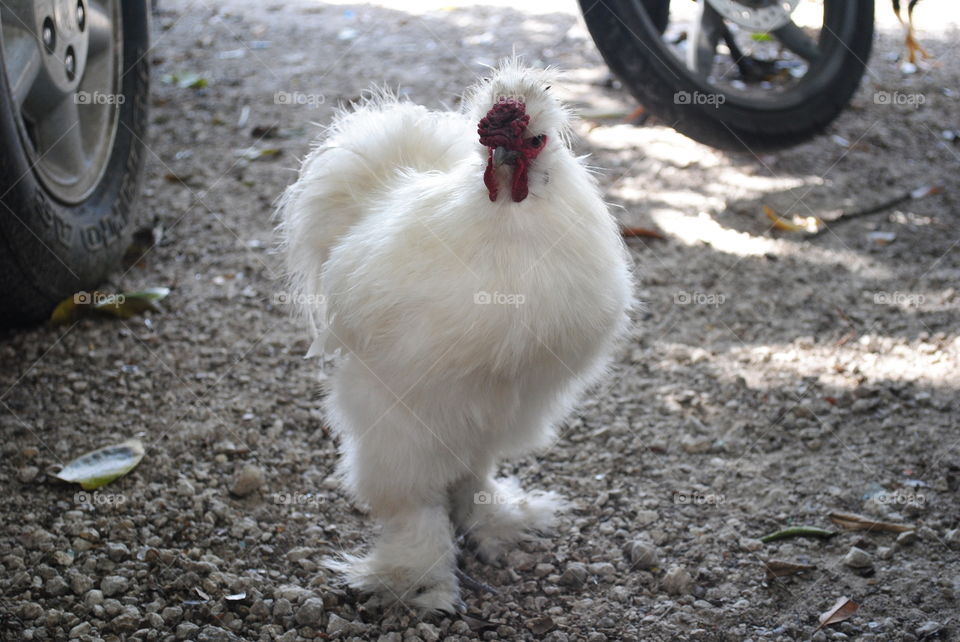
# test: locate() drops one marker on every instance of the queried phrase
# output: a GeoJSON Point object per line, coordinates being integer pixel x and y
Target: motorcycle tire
{"type": "Point", "coordinates": [628, 34]}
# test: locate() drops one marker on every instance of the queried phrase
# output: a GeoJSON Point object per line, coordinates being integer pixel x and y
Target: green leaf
{"type": "Point", "coordinates": [188, 80]}
{"type": "Point", "coordinates": [761, 37]}
{"type": "Point", "coordinates": [102, 466]}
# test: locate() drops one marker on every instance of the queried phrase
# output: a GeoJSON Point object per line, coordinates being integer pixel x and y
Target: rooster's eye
{"type": "Point", "coordinates": [536, 141]}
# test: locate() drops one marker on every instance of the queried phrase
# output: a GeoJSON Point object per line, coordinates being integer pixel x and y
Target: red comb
{"type": "Point", "coordinates": [503, 124]}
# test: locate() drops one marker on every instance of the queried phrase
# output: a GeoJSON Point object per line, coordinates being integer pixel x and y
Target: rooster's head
{"type": "Point", "coordinates": [520, 120]}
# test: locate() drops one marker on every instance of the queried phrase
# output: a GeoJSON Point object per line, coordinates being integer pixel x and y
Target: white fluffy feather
{"type": "Point", "coordinates": [466, 327]}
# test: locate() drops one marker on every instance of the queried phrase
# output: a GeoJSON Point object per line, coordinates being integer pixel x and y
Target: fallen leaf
{"type": "Point", "coordinates": [172, 177]}
{"type": "Point", "coordinates": [188, 80]}
{"type": "Point", "coordinates": [809, 224]}
{"type": "Point", "coordinates": [781, 568]}
{"type": "Point", "coordinates": [122, 305]}
{"type": "Point", "coordinates": [129, 304]}
{"type": "Point", "coordinates": [253, 154]}
{"type": "Point", "coordinates": [99, 467]}
{"type": "Point", "coordinates": [233, 597]}
{"type": "Point", "coordinates": [635, 232]}
{"type": "Point", "coordinates": [843, 609]}
{"type": "Point", "coordinates": [797, 531]}
{"type": "Point", "coordinates": [854, 522]}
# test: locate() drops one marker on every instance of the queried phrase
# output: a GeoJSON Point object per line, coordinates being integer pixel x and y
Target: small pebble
{"type": "Point", "coordinates": [337, 625]}
{"type": "Point", "coordinates": [906, 538]}
{"type": "Point", "coordinates": [646, 517]}
{"type": "Point", "coordinates": [428, 632]}
{"type": "Point", "coordinates": [857, 558]}
{"type": "Point", "coordinates": [247, 480]}
{"type": "Point", "coordinates": [113, 585]}
{"type": "Point", "coordinates": [642, 555]}
{"type": "Point", "coordinates": [310, 612]}
{"type": "Point", "coordinates": [603, 569]}
{"type": "Point", "coordinates": [751, 545]}
{"type": "Point", "coordinates": [677, 581]}
{"type": "Point", "coordinates": [282, 607]}
{"type": "Point", "coordinates": [695, 445]}
{"type": "Point", "coordinates": [952, 538]}
{"type": "Point", "coordinates": [80, 583]}
{"type": "Point", "coordinates": [27, 474]}
{"type": "Point", "coordinates": [574, 575]}
{"type": "Point", "coordinates": [117, 551]}
{"type": "Point", "coordinates": [927, 628]}
{"type": "Point", "coordinates": [541, 625]}
{"type": "Point", "coordinates": [56, 586]}
{"type": "Point", "coordinates": [80, 630]}
{"type": "Point", "coordinates": [93, 597]}
{"type": "Point", "coordinates": [62, 558]}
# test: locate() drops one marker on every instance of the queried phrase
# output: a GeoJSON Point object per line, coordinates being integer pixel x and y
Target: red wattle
{"type": "Point", "coordinates": [488, 178]}
{"type": "Point", "coordinates": [519, 188]}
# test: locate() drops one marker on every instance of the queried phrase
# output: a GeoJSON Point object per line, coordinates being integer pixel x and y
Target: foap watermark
{"type": "Point", "coordinates": [498, 298]}
{"type": "Point", "coordinates": [98, 298]}
{"type": "Point", "coordinates": [298, 99]}
{"type": "Point", "coordinates": [297, 499]}
{"type": "Point", "coordinates": [901, 499]}
{"type": "Point", "coordinates": [898, 98]}
{"type": "Point", "coordinates": [298, 298]}
{"type": "Point", "coordinates": [96, 498]}
{"type": "Point", "coordinates": [900, 299]}
{"type": "Point", "coordinates": [696, 498]}
{"type": "Point", "coordinates": [699, 298]}
{"type": "Point", "coordinates": [699, 98]}
{"type": "Point", "coordinates": [98, 98]}
{"type": "Point", "coordinates": [488, 498]}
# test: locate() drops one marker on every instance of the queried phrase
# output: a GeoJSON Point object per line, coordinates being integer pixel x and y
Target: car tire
{"type": "Point", "coordinates": [51, 247]}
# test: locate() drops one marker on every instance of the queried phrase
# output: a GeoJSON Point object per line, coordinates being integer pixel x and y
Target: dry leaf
{"type": "Point", "coordinates": [843, 609]}
{"type": "Point", "coordinates": [122, 305]}
{"type": "Point", "coordinates": [853, 522]}
{"type": "Point", "coordinates": [809, 224]}
{"type": "Point", "coordinates": [797, 531]}
{"type": "Point", "coordinates": [636, 232]}
{"type": "Point", "coordinates": [781, 568]}
{"type": "Point", "coordinates": [96, 468]}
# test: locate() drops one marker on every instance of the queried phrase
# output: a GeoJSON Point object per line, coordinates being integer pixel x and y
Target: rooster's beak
{"type": "Point", "coordinates": [502, 155]}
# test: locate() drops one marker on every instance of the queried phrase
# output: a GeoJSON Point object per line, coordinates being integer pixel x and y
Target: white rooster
{"type": "Point", "coordinates": [473, 281]}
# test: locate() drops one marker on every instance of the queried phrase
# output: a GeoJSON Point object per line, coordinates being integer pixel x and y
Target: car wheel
{"type": "Point", "coordinates": [74, 83]}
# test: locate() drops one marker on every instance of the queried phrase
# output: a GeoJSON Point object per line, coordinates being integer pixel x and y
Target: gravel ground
{"type": "Point", "coordinates": [769, 380]}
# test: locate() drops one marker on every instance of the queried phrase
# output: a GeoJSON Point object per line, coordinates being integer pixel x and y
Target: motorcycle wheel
{"type": "Point", "coordinates": [708, 83]}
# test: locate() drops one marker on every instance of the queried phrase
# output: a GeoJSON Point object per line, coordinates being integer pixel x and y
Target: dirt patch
{"type": "Point", "coordinates": [768, 380]}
